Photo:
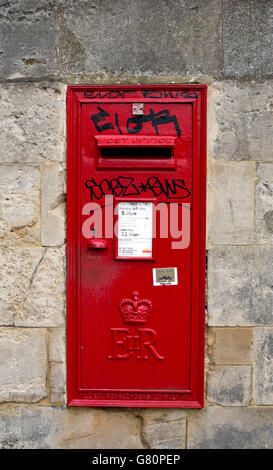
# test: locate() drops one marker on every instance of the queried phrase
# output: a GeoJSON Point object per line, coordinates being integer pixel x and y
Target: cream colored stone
{"type": "Point", "coordinates": [244, 121]}
{"type": "Point", "coordinates": [32, 117]}
{"type": "Point", "coordinates": [52, 206]}
{"type": "Point", "coordinates": [228, 428]}
{"type": "Point", "coordinates": [240, 286]}
{"type": "Point", "coordinates": [19, 205]}
{"type": "Point", "coordinates": [57, 382]}
{"type": "Point", "coordinates": [264, 203]}
{"type": "Point", "coordinates": [44, 304]}
{"type": "Point", "coordinates": [164, 429]}
{"type": "Point", "coordinates": [57, 344]}
{"type": "Point", "coordinates": [23, 364]}
{"type": "Point", "coordinates": [230, 345]}
{"type": "Point", "coordinates": [110, 430]}
{"type": "Point", "coordinates": [232, 217]}
{"type": "Point", "coordinates": [263, 366]}
{"type": "Point", "coordinates": [32, 287]}
{"type": "Point", "coordinates": [229, 385]}
{"type": "Point", "coordinates": [56, 427]}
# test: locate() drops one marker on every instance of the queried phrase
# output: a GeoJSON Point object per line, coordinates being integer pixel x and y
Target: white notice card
{"type": "Point", "coordinates": [135, 229]}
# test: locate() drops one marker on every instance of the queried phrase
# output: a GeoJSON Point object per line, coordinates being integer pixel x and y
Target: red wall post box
{"type": "Point", "coordinates": [136, 245]}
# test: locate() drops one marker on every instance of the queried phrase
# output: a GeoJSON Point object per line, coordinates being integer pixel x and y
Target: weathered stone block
{"type": "Point", "coordinates": [30, 39]}
{"type": "Point", "coordinates": [225, 428]}
{"type": "Point", "coordinates": [240, 286]}
{"type": "Point", "coordinates": [32, 122]}
{"type": "Point", "coordinates": [230, 345]}
{"type": "Point", "coordinates": [23, 364]}
{"type": "Point", "coordinates": [164, 429]}
{"type": "Point", "coordinates": [57, 382]}
{"type": "Point", "coordinates": [53, 206]}
{"type": "Point", "coordinates": [20, 205]}
{"type": "Point", "coordinates": [32, 287]}
{"type": "Point", "coordinates": [243, 121]}
{"type": "Point", "coordinates": [263, 366]}
{"type": "Point", "coordinates": [138, 45]}
{"type": "Point", "coordinates": [264, 203]}
{"type": "Point", "coordinates": [57, 343]}
{"type": "Point", "coordinates": [247, 38]}
{"type": "Point", "coordinates": [57, 346]}
{"type": "Point", "coordinates": [46, 427]}
{"type": "Point", "coordinates": [229, 385]}
{"type": "Point", "coordinates": [232, 218]}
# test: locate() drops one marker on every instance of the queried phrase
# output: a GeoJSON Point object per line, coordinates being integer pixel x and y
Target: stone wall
{"type": "Point", "coordinates": [46, 45]}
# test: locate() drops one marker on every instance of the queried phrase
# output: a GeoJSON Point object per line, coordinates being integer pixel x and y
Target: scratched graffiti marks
{"type": "Point", "coordinates": [157, 119]}
{"type": "Point", "coordinates": [126, 186]}
{"type": "Point", "coordinates": [156, 94]}
{"type": "Point", "coordinates": [135, 124]}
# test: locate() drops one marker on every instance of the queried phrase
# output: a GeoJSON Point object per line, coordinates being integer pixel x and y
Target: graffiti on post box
{"type": "Point", "coordinates": [100, 117]}
{"type": "Point", "coordinates": [125, 186]}
{"type": "Point", "coordinates": [128, 341]}
{"type": "Point", "coordinates": [135, 124]}
{"type": "Point", "coordinates": [115, 94]}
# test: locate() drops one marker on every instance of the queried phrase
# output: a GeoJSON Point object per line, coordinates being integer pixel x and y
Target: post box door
{"type": "Point", "coordinates": [136, 231]}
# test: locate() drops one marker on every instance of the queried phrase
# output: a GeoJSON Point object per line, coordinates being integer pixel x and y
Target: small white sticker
{"type": "Point", "coordinates": [165, 276]}
{"type": "Point", "coordinates": [138, 109]}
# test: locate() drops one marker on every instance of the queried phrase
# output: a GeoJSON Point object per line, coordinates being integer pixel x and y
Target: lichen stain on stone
{"type": "Point", "coordinates": [32, 61]}
{"type": "Point", "coordinates": [267, 348]}
{"type": "Point", "coordinates": [268, 218]}
{"type": "Point", "coordinates": [71, 54]}
{"type": "Point", "coordinates": [226, 436]}
{"type": "Point", "coordinates": [233, 394]}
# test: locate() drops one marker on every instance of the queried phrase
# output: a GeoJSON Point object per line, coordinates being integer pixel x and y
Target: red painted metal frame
{"type": "Point", "coordinates": [75, 397]}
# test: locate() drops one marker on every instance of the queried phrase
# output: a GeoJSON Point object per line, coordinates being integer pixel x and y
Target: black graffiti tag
{"type": "Point", "coordinates": [114, 94]}
{"type": "Point", "coordinates": [135, 124]}
{"type": "Point", "coordinates": [100, 117]}
{"type": "Point", "coordinates": [157, 119]}
{"type": "Point", "coordinates": [125, 186]}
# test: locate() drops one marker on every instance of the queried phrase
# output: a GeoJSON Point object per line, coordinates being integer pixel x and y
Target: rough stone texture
{"type": "Point", "coordinates": [53, 206]}
{"type": "Point", "coordinates": [57, 382]}
{"type": "Point", "coordinates": [230, 345]}
{"type": "Point", "coordinates": [56, 427]}
{"type": "Point", "coordinates": [30, 38]}
{"type": "Point", "coordinates": [23, 364]}
{"type": "Point", "coordinates": [32, 122]}
{"type": "Point", "coordinates": [237, 226]}
{"type": "Point", "coordinates": [88, 37]}
{"type": "Point", "coordinates": [57, 344]}
{"type": "Point", "coordinates": [247, 37]}
{"type": "Point", "coordinates": [57, 39]}
{"type": "Point", "coordinates": [166, 37]}
{"type": "Point", "coordinates": [229, 385]}
{"type": "Point", "coordinates": [244, 121]}
{"type": "Point", "coordinates": [32, 287]}
{"type": "Point", "coordinates": [240, 286]}
{"type": "Point", "coordinates": [229, 428]}
{"type": "Point", "coordinates": [263, 366]}
{"type": "Point", "coordinates": [20, 205]}
{"type": "Point", "coordinates": [164, 429]}
{"type": "Point", "coordinates": [264, 203]}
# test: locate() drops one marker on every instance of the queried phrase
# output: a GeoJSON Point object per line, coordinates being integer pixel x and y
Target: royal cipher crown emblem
{"type": "Point", "coordinates": [135, 310]}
